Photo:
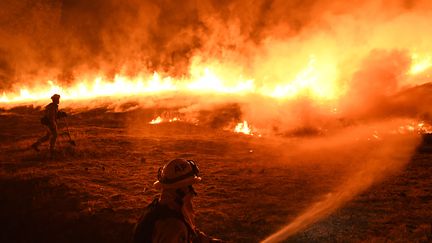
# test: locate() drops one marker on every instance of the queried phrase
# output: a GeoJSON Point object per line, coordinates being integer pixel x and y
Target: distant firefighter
{"type": "Point", "coordinates": [170, 218]}
{"type": "Point", "coordinates": [50, 121]}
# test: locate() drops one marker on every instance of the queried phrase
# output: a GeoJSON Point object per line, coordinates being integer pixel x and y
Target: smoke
{"type": "Point", "coordinates": [66, 39]}
{"type": "Point", "coordinates": [360, 50]}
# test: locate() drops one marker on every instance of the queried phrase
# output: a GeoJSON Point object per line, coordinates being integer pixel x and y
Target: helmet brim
{"type": "Point", "coordinates": [179, 184]}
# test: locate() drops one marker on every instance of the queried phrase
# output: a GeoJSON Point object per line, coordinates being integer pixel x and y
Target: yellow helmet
{"type": "Point", "coordinates": [177, 173]}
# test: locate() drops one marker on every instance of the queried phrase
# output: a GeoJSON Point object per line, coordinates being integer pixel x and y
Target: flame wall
{"type": "Point", "coordinates": [272, 42]}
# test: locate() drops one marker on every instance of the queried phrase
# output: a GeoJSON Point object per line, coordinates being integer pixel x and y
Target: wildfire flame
{"type": "Point", "coordinates": [159, 119]}
{"type": "Point", "coordinates": [419, 128]}
{"type": "Point", "coordinates": [420, 63]}
{"type": "Point", "coordinates": [244, 127]}
{"type": "Point", "coordinates": [349, 55]}
{"type": "Point", "coordinates": [317, 80]}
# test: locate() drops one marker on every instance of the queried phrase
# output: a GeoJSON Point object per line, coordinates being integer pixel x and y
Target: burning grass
{"type": "Point", "coordinates": [292, 109]}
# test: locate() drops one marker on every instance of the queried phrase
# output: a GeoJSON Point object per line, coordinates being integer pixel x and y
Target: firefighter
{"type": "Point", "coordinates": [50, 121]}
{"type": "Point", "coordinates": [170, 218]}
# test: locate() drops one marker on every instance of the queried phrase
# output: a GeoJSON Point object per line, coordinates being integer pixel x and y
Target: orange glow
{"type": "Point", "coordinates": [318, 79]}
{"type": "Point", "coordinates": [121, 86]}
{"type": "Point", "coordinates": [424, 128]}
{"type": "Point", "coordinates": [315, 80]}
{"type": "Point", "coordinates": [419, 128]}
{"type": "Point", "coordinates": [227, 55]}
{"type": "Point", "coordinates": [159, 119]}
{"type": "Point", "coordinates": [420, 63]}
{"type": "Point", "coordinates": [245, 128]}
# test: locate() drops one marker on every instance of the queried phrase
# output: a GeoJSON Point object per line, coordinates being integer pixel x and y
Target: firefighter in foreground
{"type": "Point", "coordinates": [50, 121]}
{"type": "Point", "coordinates": [170, 218]}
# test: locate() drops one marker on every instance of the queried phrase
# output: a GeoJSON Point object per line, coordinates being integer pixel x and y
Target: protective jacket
{"type": "Point", "coordinates": [161, 224]}
{"type": "Point", "coordinates": [51, 114]}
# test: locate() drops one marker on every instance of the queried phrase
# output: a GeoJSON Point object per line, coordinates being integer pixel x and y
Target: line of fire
{"type": "Point", "coordinates": [215, 121]}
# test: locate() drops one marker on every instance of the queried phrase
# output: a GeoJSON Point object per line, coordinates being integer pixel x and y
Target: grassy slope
{"type": "Point", "coordinates": [95, 192]}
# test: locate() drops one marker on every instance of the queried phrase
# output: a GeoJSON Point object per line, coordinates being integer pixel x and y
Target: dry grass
{"type": "Point", "coordinates": [95, 191]}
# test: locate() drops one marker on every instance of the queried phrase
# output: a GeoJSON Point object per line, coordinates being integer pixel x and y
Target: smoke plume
{"type": "Point", "coordinates": [66, 39]}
